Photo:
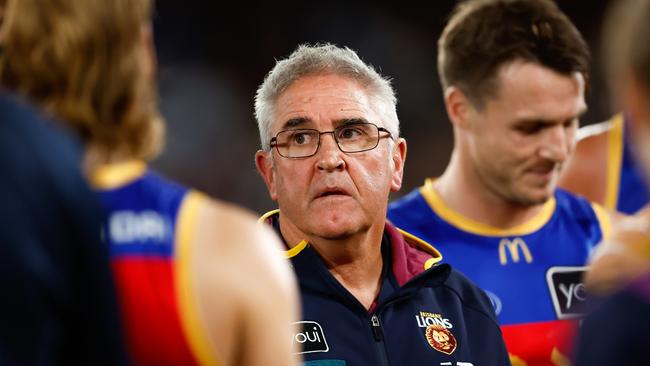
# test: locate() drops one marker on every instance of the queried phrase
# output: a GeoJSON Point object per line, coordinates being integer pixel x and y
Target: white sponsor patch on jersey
{"type": "Point", "coordinates": [128, 226]}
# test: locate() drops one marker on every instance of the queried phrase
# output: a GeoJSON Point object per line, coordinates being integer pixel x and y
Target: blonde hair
{"type": "Point", "coordinates": [81, 61]}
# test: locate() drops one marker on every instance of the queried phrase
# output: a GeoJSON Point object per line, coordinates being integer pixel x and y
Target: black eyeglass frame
{"type": "Point", "coordinates": [274, 140]}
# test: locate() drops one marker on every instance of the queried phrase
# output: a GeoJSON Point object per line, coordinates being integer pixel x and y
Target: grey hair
{"type": "Point", "coordinates": [320, 59]}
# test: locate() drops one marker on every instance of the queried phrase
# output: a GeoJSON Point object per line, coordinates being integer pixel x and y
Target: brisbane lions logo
{"type": "Point", "coordinates": [441, 339]}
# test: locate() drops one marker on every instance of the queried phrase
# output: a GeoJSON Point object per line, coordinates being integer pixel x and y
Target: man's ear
{"type": "Point", "coordinates": [458, 107]}
{"type": "Point", "coordinates": [264, 165]}
{"type": "Point", "coordinates": [399, 158]}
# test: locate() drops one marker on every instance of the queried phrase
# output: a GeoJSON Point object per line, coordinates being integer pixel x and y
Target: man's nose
{"type": "Point", "coordinates": [557, 144]}
{"type": "Point", "coordinates": [329, 156]}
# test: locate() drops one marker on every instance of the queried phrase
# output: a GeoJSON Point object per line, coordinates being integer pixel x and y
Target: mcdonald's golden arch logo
{"type": "Point", "coordinates": [514, 246]}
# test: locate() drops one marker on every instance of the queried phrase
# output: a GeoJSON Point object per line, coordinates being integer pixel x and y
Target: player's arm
{"type": "Point", "coordinates": [248, 293]}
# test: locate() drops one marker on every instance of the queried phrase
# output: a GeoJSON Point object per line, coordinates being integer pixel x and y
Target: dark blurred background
{"type": "Point", "coordinates": [213, 55]}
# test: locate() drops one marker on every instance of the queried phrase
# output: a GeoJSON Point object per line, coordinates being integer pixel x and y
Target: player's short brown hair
{"type": "Point", "coordinates": [484, 35]}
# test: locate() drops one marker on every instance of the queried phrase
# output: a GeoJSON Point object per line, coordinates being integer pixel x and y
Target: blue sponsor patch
{"type": "Point", "coordinates": [324, 363]}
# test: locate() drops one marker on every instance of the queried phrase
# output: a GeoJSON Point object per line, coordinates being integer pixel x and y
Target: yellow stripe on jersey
{"type": "Point", "coordinates": [435, 254]}
{"type": "Point", "coordinates": [266, 216]}
{"type": "Point", "coordinates": [111, 176]}
{"type": "Point", "coordinates": [287, 253]}
{"type": "Point", "coordinates": [559, 359]}
{"type": "Point", "coordinates": [464, 223]}
{"type": "Point", "coordinates": [604, 219]}
{"type": "Point", "coordinates": [186, 297]}
{"type": "Point", "coordinates": [297, 249]}
{"type": "Point", "coordinates": [614, 161]}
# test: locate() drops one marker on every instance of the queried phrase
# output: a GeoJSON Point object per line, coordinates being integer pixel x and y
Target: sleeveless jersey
{"type": "Point", "coordinates": [532, 273]}
{"type": "Point", "coordinates": [626, 190]}
{"type": "Point", "coordinates": [147, 224]}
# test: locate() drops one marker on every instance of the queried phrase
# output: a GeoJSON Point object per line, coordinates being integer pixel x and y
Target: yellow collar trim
{"type": "Point", "coordinates": [114, 175]}
{"type": "Point", "coordinates": [297, 249]}
{"type": "Point", "coordinates": [435, 254]}
{"type": "Point", "coordinates": [287, 253]}
{"type": "Point", "coordinates": [466, 224]}
{"type": "Point", "coordinates": [266, 216]}
{"type": "Point", "coordinates": [614, 161]}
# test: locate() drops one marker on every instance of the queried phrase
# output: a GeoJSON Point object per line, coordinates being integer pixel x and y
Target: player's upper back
{"type": "Point", "coordinates": [143, 213]}
{"type": "Point", "coordinates": [141, 209]}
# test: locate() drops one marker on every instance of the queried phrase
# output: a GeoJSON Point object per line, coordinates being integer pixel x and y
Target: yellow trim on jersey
{"type": "Point", "coordinates": [614, 161]}
{"type": "Point", "coordinates": [559, 359]}
{"type": "Point", "coordinates": [431, 262]}
{"type": "Point", "coordinates": [464, 223]}
{"type": "Point", "coordinates": [604, 219]}
{"type": "Point", "coordinates": [297, 249]}
{"type": "Point", "coordinates": [266, 216]}
{"type": "Point", "coordinates": [111, 176]}
{"type": "Point", "coordinates": [287, 253]}
{"type": "Point", "coordinates": [517, 361]}
{"type": "Point", "coordinates": [195, 333]}
{"type": "Point", "coordinates": [435, 254]}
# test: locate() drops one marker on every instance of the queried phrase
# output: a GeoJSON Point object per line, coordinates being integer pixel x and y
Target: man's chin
{"type": "Point", "coordinates": [333, 230]}
{"type": "Point", "coordinates": [536, 197]}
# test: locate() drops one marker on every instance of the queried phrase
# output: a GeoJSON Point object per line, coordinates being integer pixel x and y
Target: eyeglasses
{"type": "Point", "coordinates": [350, 138]}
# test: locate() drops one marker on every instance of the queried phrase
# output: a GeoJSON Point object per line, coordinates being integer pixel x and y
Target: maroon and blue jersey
{"type": "Point", "coordinates": [532, 273]}
{"type": "Point", "coordinates": [148, 223]}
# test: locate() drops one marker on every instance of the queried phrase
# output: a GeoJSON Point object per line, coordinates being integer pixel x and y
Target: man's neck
{"type": "Point", "coordinates": [96, 156]}
{"type": "Point", "coordinates": [355, 261]}
{"type": "Point", "coordinates": [464, 193]}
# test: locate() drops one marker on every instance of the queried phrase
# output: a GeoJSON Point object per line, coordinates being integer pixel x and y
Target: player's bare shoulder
{"type": "Point", "coordinates": [239, 244]}
{"type": "Point", "coordinates": [243, 278]}
{"type": "Point", "coordinates": [586, 172]}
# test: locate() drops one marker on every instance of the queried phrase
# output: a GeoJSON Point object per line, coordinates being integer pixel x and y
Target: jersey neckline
{"type": "Point", "coordinates": [464, 223]}
{"type": "Point", "coordinates": [111, 176]}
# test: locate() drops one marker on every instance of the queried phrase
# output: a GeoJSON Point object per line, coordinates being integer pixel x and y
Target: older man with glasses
{"type": "Point", "coordinates": [371, 293]}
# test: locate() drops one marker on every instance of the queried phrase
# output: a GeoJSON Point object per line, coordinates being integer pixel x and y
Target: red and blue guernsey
{"type": "Point", "coordinates": [148, 227]}
{"type": "Point", "coordinates": [626, 191]}
{"type": "Point", "coordinates": [532, 273]}
{"type": "Point", "coordinates": [424, 314]}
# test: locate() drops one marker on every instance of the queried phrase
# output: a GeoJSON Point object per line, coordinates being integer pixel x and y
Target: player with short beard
{"type": "Point", "coordinates": [514, 74]}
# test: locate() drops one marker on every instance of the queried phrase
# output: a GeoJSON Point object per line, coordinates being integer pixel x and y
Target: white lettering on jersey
{"type": "Point", "coordinates": [128, 226]}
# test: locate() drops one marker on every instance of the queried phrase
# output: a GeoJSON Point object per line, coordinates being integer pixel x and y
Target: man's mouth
{"type": "Point", "coordinates": [544, 169]}
{"type": "Point", "coordinates": [334, 192]}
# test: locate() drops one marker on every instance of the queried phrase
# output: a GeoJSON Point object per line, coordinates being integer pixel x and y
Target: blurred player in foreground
{"type": "Point", "coordinates": [200, 283]}
{"type": "Point", "coordinates": [618, 330]}
{"type": "Point", "coordinates": [59, 303]}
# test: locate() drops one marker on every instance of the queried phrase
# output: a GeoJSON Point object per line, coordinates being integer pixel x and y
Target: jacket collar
{"type": "Point", "coordinates": [410, 254]}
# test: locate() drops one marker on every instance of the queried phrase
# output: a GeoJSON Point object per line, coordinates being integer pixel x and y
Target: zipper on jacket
{"type": "Point", "coordinates": [378, 335]}
{"type": "Point", "coordinates": [376, 329]}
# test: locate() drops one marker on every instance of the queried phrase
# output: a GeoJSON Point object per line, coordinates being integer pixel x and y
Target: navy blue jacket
{"type": "Point", "coordinates": [432, 315]}
{"type": "Point", "coordinates": [58, 304]}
